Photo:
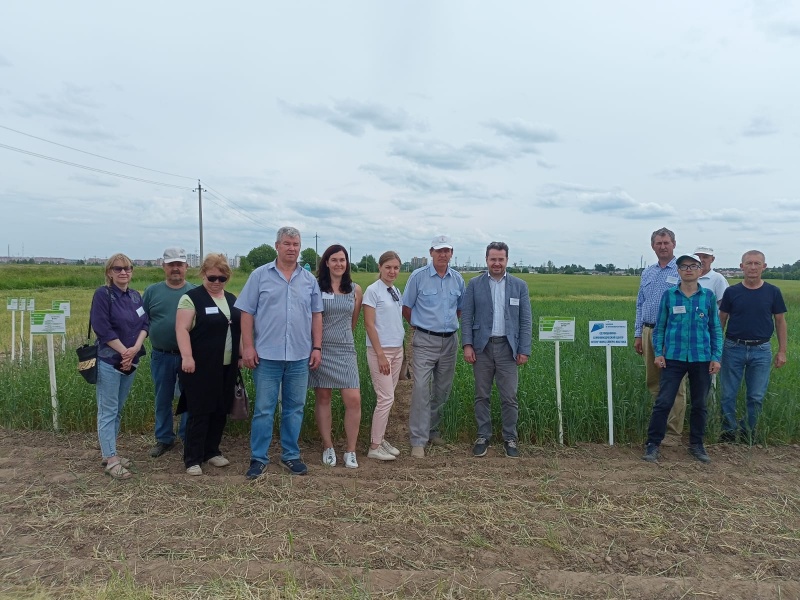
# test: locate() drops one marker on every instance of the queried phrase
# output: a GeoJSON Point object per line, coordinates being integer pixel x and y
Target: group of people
{"type": "Point", "coordinates": [295, 332]}
{"type": "Point", "coordinates": [691, 325]}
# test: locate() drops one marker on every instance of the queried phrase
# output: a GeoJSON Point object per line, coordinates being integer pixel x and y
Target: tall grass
{"type": "Point", "coordinates": [25, 404]}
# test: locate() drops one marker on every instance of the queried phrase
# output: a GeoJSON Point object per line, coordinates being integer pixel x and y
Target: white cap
{"type": "Point", "coordinates": [692, 256]}
{"type": "Point", "coordinates": [172, 255]}
{"type": "Point", "coordinates": [441, 241]}
{"type": "Point", "coordinates": [704, 250]}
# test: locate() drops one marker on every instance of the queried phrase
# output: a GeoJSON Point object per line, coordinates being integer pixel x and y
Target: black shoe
{"type": "Point", "coordinates": [161, 448]}
{"type": "Point", "coordinates": [256, 469]}
{"type": "Point", "coordinates": [511, 448]}
{"type": "Point", "coordinates": [699, 453]}
{"type": "Point", "coordinates": [650, 453]}
{"type": "Point", "coordinates": [727, 437]}
{"type": "Point", "coordinates": [480, 448]}
{"type": "Point", "coordinates": [295, 466]}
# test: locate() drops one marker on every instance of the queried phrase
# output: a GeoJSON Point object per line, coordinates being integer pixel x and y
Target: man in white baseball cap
{"type": "Point", "coordinates": [709, 278]}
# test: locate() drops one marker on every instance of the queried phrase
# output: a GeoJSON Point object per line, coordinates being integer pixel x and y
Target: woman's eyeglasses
{"type": "Point", "coordinates": [216, 278]}
{"type": "Point", "coordinates": [121, 269]}
{"type": "Point", "coordinates": [395, 297]}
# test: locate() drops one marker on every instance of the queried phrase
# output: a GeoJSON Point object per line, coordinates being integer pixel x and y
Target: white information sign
{"type": "Point", "coordinates": [31, 304]}
{"type": "Point", "coordinates": [22, 303]}
{"type": "Point", "coordinates": [608, 333]}
{"type": "Point", "coordinates": [62, 305]}
{"type": "Point", "coordinates": [12, 303]}
{"type": "Point", "coordinates": [557, 329]}
{"type": "Point", "coordinates": [44, 322]}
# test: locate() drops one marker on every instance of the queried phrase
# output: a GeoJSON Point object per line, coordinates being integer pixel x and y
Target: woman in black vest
{"type": "Point", "coordinates": [208, 330]}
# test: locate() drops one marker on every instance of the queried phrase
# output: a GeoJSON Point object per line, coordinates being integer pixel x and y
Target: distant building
{"type": "Point", "coordinates": [418, 262]}
{"type": "Point", "coordinates": [194, 260]}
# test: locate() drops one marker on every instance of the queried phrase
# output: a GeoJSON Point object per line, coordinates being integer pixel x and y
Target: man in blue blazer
{"type": "Point", "coordinates": [496, 331]}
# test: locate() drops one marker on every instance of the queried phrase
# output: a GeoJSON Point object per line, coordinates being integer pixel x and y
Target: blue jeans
{"type": "Point", "coordinates": [164, 368]}
{"type": "Point", "coordinates": [754, 363]}
{"type": "Point", "coordinates": [699, 386]}
{"type": "Point", "coordinates": [112, 390]}
{"type": "Point", "coordinates": [290, 379]}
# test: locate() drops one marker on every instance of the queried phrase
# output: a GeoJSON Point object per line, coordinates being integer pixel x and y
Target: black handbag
{"type": "Point", "coordinates": [87, 357]}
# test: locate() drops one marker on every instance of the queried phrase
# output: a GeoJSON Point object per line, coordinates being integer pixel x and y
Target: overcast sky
{"type": "Point", "coordinates": [570, 130]}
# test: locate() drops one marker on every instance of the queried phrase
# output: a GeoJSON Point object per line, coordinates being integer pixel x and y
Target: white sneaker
{"type": "Point", "coordinates": [194, 470]}
{"type": "Point", "coordinates": [389, 448]}
{"type": "Point", "coordinates": [329, 457]}
{"type": "Point", "coordinates": [380, 453]}
{"type": "Point", "coordinates": [219, 461]}
{"type": "Point", "coordinates": [350, 460]}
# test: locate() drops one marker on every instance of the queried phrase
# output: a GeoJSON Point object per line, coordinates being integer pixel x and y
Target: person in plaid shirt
{"type": "Point", "coordinates": [687, 341]}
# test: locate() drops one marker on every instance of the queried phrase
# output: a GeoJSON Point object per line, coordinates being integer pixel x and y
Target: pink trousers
{"type": "Point", "coordinates": [384, 388]}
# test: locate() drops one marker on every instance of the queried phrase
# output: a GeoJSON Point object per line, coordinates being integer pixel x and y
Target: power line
{"type": "Point", "coordinates": [240, 209]}
{"type": "Point", "coordinates": [72, 164]}
{"type": "Point", "coordinates": [228, 205]}
{"type": "Point", "coordinates": [92, 154]}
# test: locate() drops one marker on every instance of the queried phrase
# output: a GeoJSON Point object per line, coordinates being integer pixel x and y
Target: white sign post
{"type": "Point", "coordinates": [49, 323]}
{"type": "Point", "coordinates": [12, 304]}
{"type": "Point", "coordinates": [608, 333]}
{"type": "Point", "coordinates": [63, 305]}
{"type": "Point", "coordinates": [557, 329]}
{"type": "Point", "coordinates": [22, 304]}
{"type": "Point", "coordinates": [31, 308]}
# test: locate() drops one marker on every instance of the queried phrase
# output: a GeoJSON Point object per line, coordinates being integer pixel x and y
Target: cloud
{"type": "Point", "coordinates": [591, 200]}
{"type": "Point", "coordinates": [441, 155]}
{"type": "Point", "coordinates": [90, 135]}
{"type": "Point", "coordinates": [789, 29]}
{"type": "Point", "coordinates": [522, 131]}
{"type": "Point", "coordinates": [425, 183]}
{"type": "Point", "coordinates": [726, 215]}
{"type": "Point", "coordinates": [788, 203]}
{"type": "Point", "coordinates": [263, 189]}
{"type": "Point", "coordinates": [72, 103]}
{"type": "Point", "coordinates": [95, 181]}
{"type": "Point", "coordinates": [4, 62]}
{"type": "Point", "coordinates": [759, 126]}
{"type": "Point", "coordinates": [353, 117]}
{"type": "Point", "coordinates": [709, 170]}
{"type": "Point", "coordinates": [323, 208]}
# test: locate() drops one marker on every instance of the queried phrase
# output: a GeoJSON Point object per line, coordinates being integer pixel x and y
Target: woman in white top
{"type": "Point", "coordinates": [383, 320]}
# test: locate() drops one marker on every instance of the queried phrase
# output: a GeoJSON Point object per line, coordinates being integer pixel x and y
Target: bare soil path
{"type": "Point", "coordinates": [578, 522]}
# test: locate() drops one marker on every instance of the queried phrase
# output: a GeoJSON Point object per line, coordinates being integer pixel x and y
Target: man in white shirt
{"type": "Point", "coordinates": [710, 279]}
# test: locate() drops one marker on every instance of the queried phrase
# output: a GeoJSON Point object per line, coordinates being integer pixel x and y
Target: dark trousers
{"type": "Point", "coordinates": [699, 386]}
{"type": "Point", "coordinates": [203, 435]}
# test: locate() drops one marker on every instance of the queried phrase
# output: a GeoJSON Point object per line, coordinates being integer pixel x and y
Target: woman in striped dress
{"type": "Point", "coordinates": [341, 299]}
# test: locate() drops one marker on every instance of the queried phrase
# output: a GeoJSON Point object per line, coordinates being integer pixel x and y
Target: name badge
{"type": "Point", "coordinates": [212, 310]}
{"type": "Point", "coordinates": [679, 310]}
{"type": "Point", "coordinates": [140, 311]}
{"type": "Point", "coordinates": [327, 296]}
{"type": "Point", "coordinates": [514, 301]}
{"type": "Point", "coordinates": [672, 280]}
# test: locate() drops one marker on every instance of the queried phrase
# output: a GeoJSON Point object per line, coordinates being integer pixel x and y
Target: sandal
{"type": "Point", "coordinates": [117, 471]}
{"type": "Point", "coordinates": [125, 462]}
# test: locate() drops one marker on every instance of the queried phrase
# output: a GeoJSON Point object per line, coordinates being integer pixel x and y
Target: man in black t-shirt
{"type": "Point", "coordinates": [752, 311]}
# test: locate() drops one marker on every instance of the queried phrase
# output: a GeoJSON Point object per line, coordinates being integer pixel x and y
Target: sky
{"type": "Point", "coordinates": [570, 130]}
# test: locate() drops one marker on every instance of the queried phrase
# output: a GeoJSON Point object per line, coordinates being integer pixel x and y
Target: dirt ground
{"type": "Point", "coordinates": [577, 522]}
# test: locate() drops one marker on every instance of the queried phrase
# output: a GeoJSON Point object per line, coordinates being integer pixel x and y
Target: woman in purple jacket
{"type": "Point", "coordinates": [121, 325]}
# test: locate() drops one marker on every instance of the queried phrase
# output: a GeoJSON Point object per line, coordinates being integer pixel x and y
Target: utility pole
{"type": "Point", "coordinates": [200, 191]}
{"type": "Point", "coordinates": [316, 250]}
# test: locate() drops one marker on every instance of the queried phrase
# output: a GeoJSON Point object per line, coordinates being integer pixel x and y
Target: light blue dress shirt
{"type": "Point", "coordinates": [281, 311]}
{"type": "Point", "coordinates": [434, 300]}
{"type": "Point", "coordinates": [498, 289]}
{"type": "Point", "coordinates": [655, 281]}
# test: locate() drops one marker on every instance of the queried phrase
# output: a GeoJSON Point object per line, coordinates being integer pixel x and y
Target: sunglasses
{"type": "Point", "coordinates": [395, 297]}
{"type": "Point", "coordinates": [121, 269]}
{"type": "Point", "coordinates": [216, 278]}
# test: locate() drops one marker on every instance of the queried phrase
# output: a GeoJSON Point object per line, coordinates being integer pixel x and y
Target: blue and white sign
{"type": "Point", "coordinates": [608, 333]}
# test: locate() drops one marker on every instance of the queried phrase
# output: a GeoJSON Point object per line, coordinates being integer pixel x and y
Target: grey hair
{"type": "Point", "coordinates": [287, 232]}
{"type": "Point", "coordinates": [660, 233]}
{"type": "Point", "coordinates": [755, 253]}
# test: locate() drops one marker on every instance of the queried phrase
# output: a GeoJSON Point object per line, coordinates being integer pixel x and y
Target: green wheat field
{"type": "Point", "coordinates": [25, 390]}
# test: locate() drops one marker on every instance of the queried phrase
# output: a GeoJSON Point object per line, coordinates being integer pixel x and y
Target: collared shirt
{"type": "Point", "coordinates": [117, 315]}
{"type": "Point", "coordinates": [715, 282]}
{"type": "Point", "coordinates": [498, 289]}
{"type": "Point", "coordinates": [655, 281]}
{"type": "Point", "coordinates": [281, 311]}
{"type": "Point", "coordinates": [688, 327]}
{"type": "Point", "coordinates": [434, 300]}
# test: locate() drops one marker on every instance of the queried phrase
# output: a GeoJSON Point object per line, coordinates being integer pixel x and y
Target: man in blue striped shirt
{"type": "Point", "coordinates": [656, 279]}
{"type": "Point", "coordinates": [687, 340]}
